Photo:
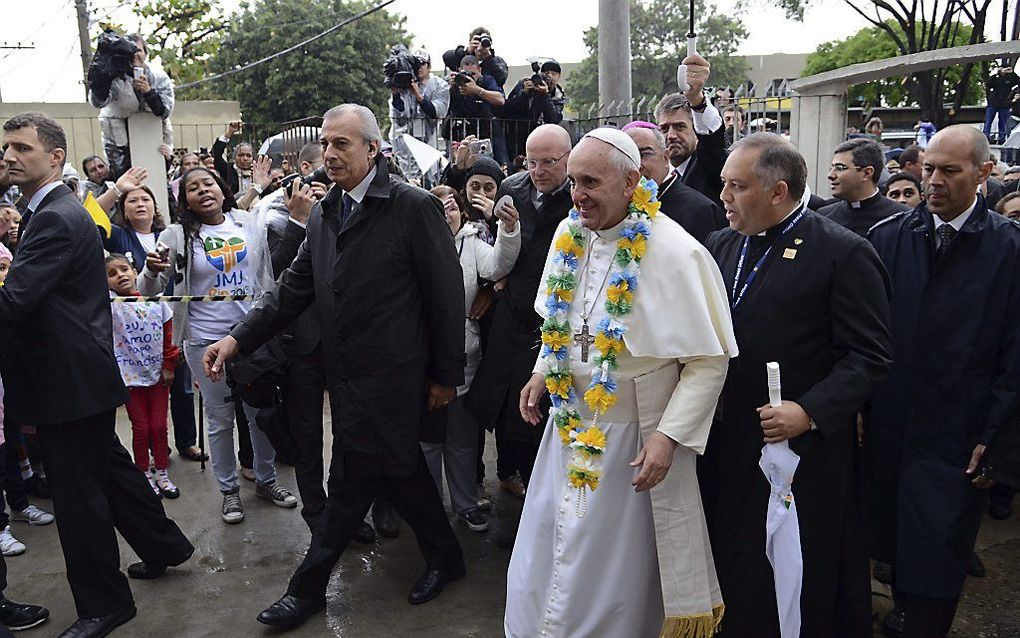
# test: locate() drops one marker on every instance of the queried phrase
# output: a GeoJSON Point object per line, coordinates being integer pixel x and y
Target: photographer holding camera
{"type": "Point", "coordinates": [121, 83]}
{"type": "Point", "coordinates": [416, 109]}
{"type": "Point", "coordinates": [534, 101]}
{"type": "Point", "coordinates": [473, 97]}
{"type": "Point", "coordinates": [480, 46]}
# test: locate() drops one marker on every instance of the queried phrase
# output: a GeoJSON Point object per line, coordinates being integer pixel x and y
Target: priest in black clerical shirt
{"type": "Point", "coordinates": [854, 174]}
{"type": "Point", "coordinates": [696, 213]}
{"type": "Point", "coordinates": [811, 295]}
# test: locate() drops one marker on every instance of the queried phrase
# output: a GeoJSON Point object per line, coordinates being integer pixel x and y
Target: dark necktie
{"type": "Point", "coordinates": [946, 234]}
{"type": "Point", "coordinates": [348, 209]}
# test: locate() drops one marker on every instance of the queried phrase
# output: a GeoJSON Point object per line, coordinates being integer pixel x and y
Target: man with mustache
{"type": "Point", "coordinates": [932, 439]}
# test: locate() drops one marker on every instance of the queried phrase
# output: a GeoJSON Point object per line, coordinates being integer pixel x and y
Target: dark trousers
{"type": "Point", "coordinates": [245, 452]}
{"type": "Point", "coordinates": [182, 408]}
{"type": "Point", "coordinates": [306, 384]}
{"type": "Point", "coordinates": [96, 489]}
{"type": "Point", "coordinates": [12, 485]}
{"type": "Point", "coordinates": [926, 617]}
{"type": "Point", "coordinates": [416, 499]}
{"type": "Point", "coordinates": [1004, 121]}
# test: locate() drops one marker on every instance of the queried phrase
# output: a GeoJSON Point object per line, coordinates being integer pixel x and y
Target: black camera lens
{"type": "Point", "coordinates": [486, 42]}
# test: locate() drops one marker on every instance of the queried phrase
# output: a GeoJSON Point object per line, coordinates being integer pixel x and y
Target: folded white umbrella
{"type": "Point", "coordinates": [782, 530]}
{"type": "Point", "coordinates": [424, 155]}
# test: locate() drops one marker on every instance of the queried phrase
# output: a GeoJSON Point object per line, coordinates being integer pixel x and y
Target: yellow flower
{"type": "Point", "coordinates": [564, 436]}
{"type": "Point", "coordinates": [598, 399]}
{"type": "Point", "coordinates": [555, 340]}
{"type": "Point", "coordinates": [565, 295]}
{"type": "Point", "coordinates": [636, 246]}
{"type": "Point", "coordinates": [565, 244]}
{"type": "Point", "coordinates": [592, 437]}
{"type": "Point", "coordinates": [559, 385]}
{"type": "Point", "coordinates": [607, 345]}
{"type": "Point", "coordinates": [620, 292]}
{"type": "Point", "coordinates": [642, 196]}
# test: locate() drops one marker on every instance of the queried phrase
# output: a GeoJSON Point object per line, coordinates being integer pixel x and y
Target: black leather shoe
{"type": "Point", "coordinates": [290, 611]}
{"type": "Point", "coordinates": [892, 624]}
{"type": "Point", "coordinates": [18, 616]}
{"type": "Point", "coordinates": [145, 571]}
{"type": "Point", "coordinates": [976, 568]}
{"type": "Point", "coordinates": [1000, 511]}
{"type": "Point", "coordinates": [384, 517]}
{"type": "Point", "coordinates": [99, 627]}
{"type": "Point", "coordinates": [364, 533]}
{"type": "Point", "coordinates": [431, 584]}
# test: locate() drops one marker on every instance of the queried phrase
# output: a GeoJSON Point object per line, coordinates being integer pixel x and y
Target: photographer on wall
{"type": "Point", "coordinates": [122, 82]}
{"type": "Point", "coordinates": [534, 101]}
{"type": "Point", "coordinates": [419, 102]}
{"type": "Point", "coordinates": [480, 46]}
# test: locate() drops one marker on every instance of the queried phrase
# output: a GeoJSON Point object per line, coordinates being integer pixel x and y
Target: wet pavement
{"type": "Point", "coordinates": [237, 570]}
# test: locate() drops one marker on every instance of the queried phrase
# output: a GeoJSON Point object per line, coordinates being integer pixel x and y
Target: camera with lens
{"type": "Point", "coordinates": [113, 58]}
{"type": "Point", "coordinates": [401, 68]}
{"type": "Point", "coordinates": [462, 78]}
{"type": "Point", "coordinates": [485, 41]}
{"type": "Point", "coordinates": [536, 77]}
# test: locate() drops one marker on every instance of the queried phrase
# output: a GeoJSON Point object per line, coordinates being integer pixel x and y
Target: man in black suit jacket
{"type": "Point", "coordinates": [854, 174]}
{"type": "Point", "coordinates": [694, 132]}
{"type": "Point", "coordinates": [681, 203]}
{"type": "Point", "coordinates": [56, 357]}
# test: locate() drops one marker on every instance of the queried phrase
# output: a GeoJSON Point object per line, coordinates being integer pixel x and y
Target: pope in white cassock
{"type": "Point", "coordinates": [635, 347]}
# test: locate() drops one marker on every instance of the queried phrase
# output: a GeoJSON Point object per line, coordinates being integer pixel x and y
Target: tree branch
{"type": "Point", "coordinates": [881, 25]}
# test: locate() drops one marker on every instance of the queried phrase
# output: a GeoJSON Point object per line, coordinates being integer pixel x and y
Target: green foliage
{"type": "Point", "coordinates": [873, 43]}
{"type": "Point", "coordinates": [658, 41]}
{"type": "Point", "coordinates": [184, 35]}
{"type": "Point", "coordinates": [344, 66]}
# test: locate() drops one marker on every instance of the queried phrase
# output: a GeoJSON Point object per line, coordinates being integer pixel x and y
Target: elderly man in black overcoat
{"type": "Point", "coordinates": [380, 267]}
{"type": "Point", "coordinates": [954, 383]}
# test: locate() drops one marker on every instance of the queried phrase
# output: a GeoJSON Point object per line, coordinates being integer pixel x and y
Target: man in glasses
{"type": "Point", "coordinates": [854, 175]}
{"type": "Point", "coordinates": [542, 199]}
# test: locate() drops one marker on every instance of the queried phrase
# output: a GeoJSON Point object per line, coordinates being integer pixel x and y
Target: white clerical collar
{"type": "Point", "coordinates": [858, 204]}
{"type": "Point", "coordinates": [608, 233]}
{"type": "Point", "coordinates": [958, 221]}
{"type": "Point", "coordinates": [358, 192]}
{"type": "Point", "coordinates": [785, 217]}
{"type": "Point", "coordinates": [41, 193]}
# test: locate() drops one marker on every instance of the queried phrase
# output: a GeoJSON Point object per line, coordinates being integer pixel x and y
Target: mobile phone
{"type": "Point", "coordinates": [138, 71]}
{"type": "Point", "coordinates": [162, 250]}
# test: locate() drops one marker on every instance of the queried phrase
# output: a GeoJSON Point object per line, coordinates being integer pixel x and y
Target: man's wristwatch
{"type": "Point", "coordinates": [701, 108]}
{"type": "Point", "coordinates": [258, 189]}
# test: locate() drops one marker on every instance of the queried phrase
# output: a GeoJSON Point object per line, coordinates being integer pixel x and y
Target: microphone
{"type": "Point", "coordinates": [775, 393]}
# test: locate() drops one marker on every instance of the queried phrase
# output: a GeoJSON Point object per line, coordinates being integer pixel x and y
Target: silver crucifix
{"type": "Point", "coordinates": [584, 339]}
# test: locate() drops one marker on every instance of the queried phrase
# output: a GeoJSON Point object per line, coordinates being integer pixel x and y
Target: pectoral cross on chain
{"type": "Point", "coordinates": [584, 339]}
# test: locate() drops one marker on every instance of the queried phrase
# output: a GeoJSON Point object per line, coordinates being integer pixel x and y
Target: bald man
{"type": "Point", "coordinates": [933, 427]}
{"type": "Point", "coordinates": [542, 199]}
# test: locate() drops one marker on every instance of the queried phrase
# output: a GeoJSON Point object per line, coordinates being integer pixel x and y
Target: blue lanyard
{"type": "Point", "coordinates": [737, 298]}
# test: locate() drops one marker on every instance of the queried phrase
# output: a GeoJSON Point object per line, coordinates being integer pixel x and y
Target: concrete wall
{"type": "Point", "coordinates": [196, 124]}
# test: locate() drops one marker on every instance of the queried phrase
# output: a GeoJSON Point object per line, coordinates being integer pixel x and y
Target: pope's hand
{"type": "Point", "coordinates": [785, 422]}
{"type": "Point", "coordinates": [654, 459]}
{"type": "Point", "coordinates": [530, 396]}
{"type": "Point", "coordinates": [217, 355]}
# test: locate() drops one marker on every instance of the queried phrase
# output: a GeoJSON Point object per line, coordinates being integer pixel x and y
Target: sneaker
{"type": "Point", "coordinates": [277, 494]}
{"type": "Point", "coordinates": [514, 485]}
{"type": "Point", "coordinates": [247, 473]}
{"type": "Point", "coordinates": [33, 516]}
{"type": "Point", "coordinates": [152, 483]}
{"type": "Point", "coordinates": [233, 511]}
{"type": "Point", "coordinates": [10, 546]}
{"type": "Point", "coordinates": [18, 616]}
{"type": "Point", "coordinates": [165, 485]}
{"type": "Point", "coordinates": [475, 520]}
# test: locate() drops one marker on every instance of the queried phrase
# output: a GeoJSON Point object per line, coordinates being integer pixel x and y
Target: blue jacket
{"type": "Point", "coordinates": [125, 240]}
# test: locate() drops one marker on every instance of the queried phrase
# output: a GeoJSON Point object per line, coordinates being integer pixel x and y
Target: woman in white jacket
{"type": "Point", "coordinates": [477, 260]}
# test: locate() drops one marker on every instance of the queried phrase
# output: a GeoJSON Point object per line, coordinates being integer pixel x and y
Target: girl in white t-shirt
{"type": "Point", "coordinates": [143, 346]}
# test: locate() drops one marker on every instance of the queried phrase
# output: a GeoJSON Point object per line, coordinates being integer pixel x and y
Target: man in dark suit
{"type": "Point", "coordinates": [854, 173]}
{"type": "Point", "coordinates": [694, 132]}
{"type": "Point", "coordinates": [56, 357]}
{"type": "Point", "coordinates": [237, 174]}
{"type": "Point", "coordinates": [697, 214]}
{"type": "Point", "coordinates": [542, 198]}
{"type": "Point", "coordinates": [938, 427]}
{"type": "Point", "coordinates": [380, 267]}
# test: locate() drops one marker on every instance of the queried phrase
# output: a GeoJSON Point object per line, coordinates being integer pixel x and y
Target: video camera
{"type": "Point", "coordinates": [318, 175]}
{"type": "Point", "coordinates": [485, 41]}
{"type": "Point", "coordinates": [114, 54]}
{"type": "Point", "coordinates": [536, 77]}
{"type": "Point", "coordinates": [401, 68]}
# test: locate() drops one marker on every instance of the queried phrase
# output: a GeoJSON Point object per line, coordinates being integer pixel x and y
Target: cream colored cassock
{"type": "Point", "coordinates": [637, 564]}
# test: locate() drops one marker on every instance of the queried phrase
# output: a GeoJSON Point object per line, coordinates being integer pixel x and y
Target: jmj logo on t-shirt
{"type": "Point", "coordinates": [225, 254]}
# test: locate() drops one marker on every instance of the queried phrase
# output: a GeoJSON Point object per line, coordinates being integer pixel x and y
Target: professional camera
{"type": "Point", "coordinates": [536, 77]}
{"type": "Point", "coordinates": [401, 68]}
{"type": "Point", "coordinates": [462, 78]}
{"type": "Point", "coordinates": [486, 41]}
{"type": "Point", "coordinates": [112, 60]}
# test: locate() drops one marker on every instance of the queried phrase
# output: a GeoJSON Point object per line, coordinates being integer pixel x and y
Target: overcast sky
{"type": "Point", "coordinates": [52, 71]}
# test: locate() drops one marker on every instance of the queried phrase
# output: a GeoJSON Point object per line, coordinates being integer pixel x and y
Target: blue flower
{"type": "Point", "coordinates": [651, 185]}
{"type": "Point", "coordinates": [609, 384]}
{"type": "Point", "coordinates": [560, 354]}
{"type": "Point", "coordinates": [553, 305]}
{"type": "Point", "coordinates": [630, 231]}
{"type": "Point", "coordinates": [631, 280]}
{"type": "Point", "coordinates": [567, 259]}
{"type": "Point", "coordinates": [611, 328]}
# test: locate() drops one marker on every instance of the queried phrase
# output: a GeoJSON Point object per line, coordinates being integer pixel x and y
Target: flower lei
{"type": "Point", "coordinates": [588, 444]}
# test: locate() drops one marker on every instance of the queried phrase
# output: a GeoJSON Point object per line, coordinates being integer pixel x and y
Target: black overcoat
{"type": "Point", "coordinates": [389, 296]}
{"type": "Point", "coordinates": [819, 307]}
{"type": "Point", "coordinates": [512, 347]}
{"type": "Point", "coordinates": [954, 383]}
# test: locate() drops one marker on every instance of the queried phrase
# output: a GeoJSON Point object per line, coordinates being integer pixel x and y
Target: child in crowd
{"type": "Point", "coordinates": [143, 345]}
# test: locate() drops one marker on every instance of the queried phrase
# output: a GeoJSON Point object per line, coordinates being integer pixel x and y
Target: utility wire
{"type": "Point", "coordinates": [289, 49]}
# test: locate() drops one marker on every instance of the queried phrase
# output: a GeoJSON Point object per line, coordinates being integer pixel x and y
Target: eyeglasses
{"type": "Point", "coordinates": [842, 168]}
{"type": "Point", "coordinates": [532, 164]}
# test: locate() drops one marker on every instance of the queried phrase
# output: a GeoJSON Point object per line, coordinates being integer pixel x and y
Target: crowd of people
{"type": "Point", "coordinates": [605, 307]}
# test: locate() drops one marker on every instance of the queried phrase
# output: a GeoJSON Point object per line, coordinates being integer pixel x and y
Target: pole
{"type": "Point", "coordinates": [614, 54]}
{"type": "Point", "coordinates": [82, 7]}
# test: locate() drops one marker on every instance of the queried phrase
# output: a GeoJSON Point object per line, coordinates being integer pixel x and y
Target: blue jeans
{"type": "Point", "coordinates": [219, 417]}
{"type": "Point", "coordinates": [1003, 114]}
